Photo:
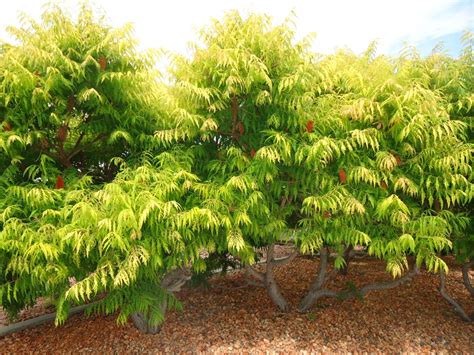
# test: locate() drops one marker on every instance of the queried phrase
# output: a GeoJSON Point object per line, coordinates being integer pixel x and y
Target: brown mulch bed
{"type": "Point", "coordinates": [224, 318]}
{"type": "Point", "coordinates": [41, 307]}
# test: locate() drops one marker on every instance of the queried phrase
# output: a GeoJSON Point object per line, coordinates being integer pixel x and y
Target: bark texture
{"type": "Point", "coordinates": [267, 279]}
{"type": "Point", "coordinates": [315, 290]}
{"type": "Point", "coordinates": [270, 282]}
{"type": "Point", "coordinates": [465, 276]}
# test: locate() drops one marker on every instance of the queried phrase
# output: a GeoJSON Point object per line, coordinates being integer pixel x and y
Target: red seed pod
{"type": "Point", "coordinates": [7, 127]}
{"type": "Point", "coordinates": [59, 183]}
{"type": "Point", "coordinates": [240, 128]}
{"type": "Point", "coordinates": [383, 185]}
{"type": "Point", "coordinates": [309, 126]}
{"type": "Point", "coordinates": [398, 159]}
{"type": "Point", "coordinates": [342, 176]}
{"type": "Point", "coordinates": [380, 125]}
{"type": "Point", "coordinates": [252, 153]}
{"type": "Point", "coordinates": [62, 134]}
{"type": "Point", "coordinates": [327, 214]}
{"type": "Point", "coordinates": [102, 63]}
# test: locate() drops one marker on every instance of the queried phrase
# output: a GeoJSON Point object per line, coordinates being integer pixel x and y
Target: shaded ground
{"type": "Point", "coordinates": [223, 318]}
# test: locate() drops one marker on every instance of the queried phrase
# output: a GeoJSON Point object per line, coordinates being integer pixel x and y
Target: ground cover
{"type": "Point", "coordinates": [227, 317]}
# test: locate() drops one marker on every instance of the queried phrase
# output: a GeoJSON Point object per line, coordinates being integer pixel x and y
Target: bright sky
{"type": "Point", "coordinates": [354, 24]}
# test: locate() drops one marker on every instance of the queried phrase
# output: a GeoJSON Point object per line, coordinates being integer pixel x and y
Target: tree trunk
{"type": "Point", "coordinates": [465, 276]}
{"type": "Point", "coordinates": [267, 279]}
{"type": "Point", "coordinates": [314, 291]}
{"type": "Point", "coordinates": [172, 282]}
{"type": "Point", "coordinates": [270, 282]}
{"type": "Point", "coordinates": [274, 291]}
{"type": "Point", "coordinates": [347, 258]}
{"type": "Point", "coordinates": [142, 321]}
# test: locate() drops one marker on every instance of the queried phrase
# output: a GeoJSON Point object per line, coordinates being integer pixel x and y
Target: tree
{"type": "Point", "coordinates": [240, 108]}
{"type": "Point", "coordinates": [349, 150]}
{"type": "Point", "coordinates": [114, 184]}
{"type": "Point", "coordinates": [78, 103]}
{"type": "Point", "coordinates": [393, 161]}
{"type": "Point", "coordinates": [73, 96]}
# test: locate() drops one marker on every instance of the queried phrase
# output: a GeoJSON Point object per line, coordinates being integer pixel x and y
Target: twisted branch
{"type": "Point", "coordinates": [457, 307]}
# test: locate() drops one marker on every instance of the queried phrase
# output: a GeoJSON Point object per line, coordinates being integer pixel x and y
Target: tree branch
{"type": "Point", "coordinates": [323, 263]}
{"type": "Point", "coordinates": [78, 141]}
{"type": "Point", "coordinates": [315, 291]}
{"type": "Point", "coordinates": [457, 307]}
{"type": "Point", "coordinates": [324, 293]}
{"type": "Point", "coordinates": [390, 284]}
{"type": "Point", "coordinates": [175, 279]}
{"type": "Point", "coordinates": [270, 252]}
{"type": "Point", "coordinates": [285, 260]}
{"type": "Point", "coordinates": [254, 283]}
{"type": "Point", "coordinates": [255, 274]}
{"type": "Point", "coordinates": [75, 151]}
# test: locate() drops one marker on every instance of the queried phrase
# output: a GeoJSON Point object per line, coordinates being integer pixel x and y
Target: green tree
{"type": "Point", "coordinates": [113, 184]}
{"type": "Point", "coordinates": [393, 159]}
{"type": "Point", "coordinates": [78, 104]}
{"type": "Point", "coordinates": [240, 107]}
{"type": "Point", "coordinates": [73, 95]}
{"type": "Point", "coordinates": [341, 150]}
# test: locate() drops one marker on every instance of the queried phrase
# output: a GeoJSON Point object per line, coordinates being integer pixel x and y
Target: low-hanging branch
{"type": "Point", "coordinates": [378, 286]}
{"type": "Point", "coordinates": [285, 260]}
{"type": "Point", "coordinates": [316, 291]}
{"type": "Point", "coordinates": [260, 276]}
{"type": "Point", "coordinates": [457, 307]}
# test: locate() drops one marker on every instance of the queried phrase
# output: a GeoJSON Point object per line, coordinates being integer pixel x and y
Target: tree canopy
{"type": "Point", "coordinates": [115, 184]}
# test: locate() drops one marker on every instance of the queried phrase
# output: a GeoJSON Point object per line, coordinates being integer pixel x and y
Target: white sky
{"type": "Point", "coordinates": [337, 23]}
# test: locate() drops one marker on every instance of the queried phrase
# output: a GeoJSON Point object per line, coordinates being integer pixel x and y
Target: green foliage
{"type": "Point", "coordinates": [254, 140]}
{"type": "Point", "coordinates": [213, 262]}
{"type": "Point", "coordinates": [240, 104]}
{"type": "Point", "coordinates": [386, 140]}
{"type": "Point", "coordinates": [351, 150]}
{"type": "Point", "coordinates": [73, 94]}
{"type": "Point", "coordinates": [77, 101]}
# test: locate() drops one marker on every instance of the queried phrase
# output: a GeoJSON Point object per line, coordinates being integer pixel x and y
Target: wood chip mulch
{"type": "Point", "coordinates": [227, 319]}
